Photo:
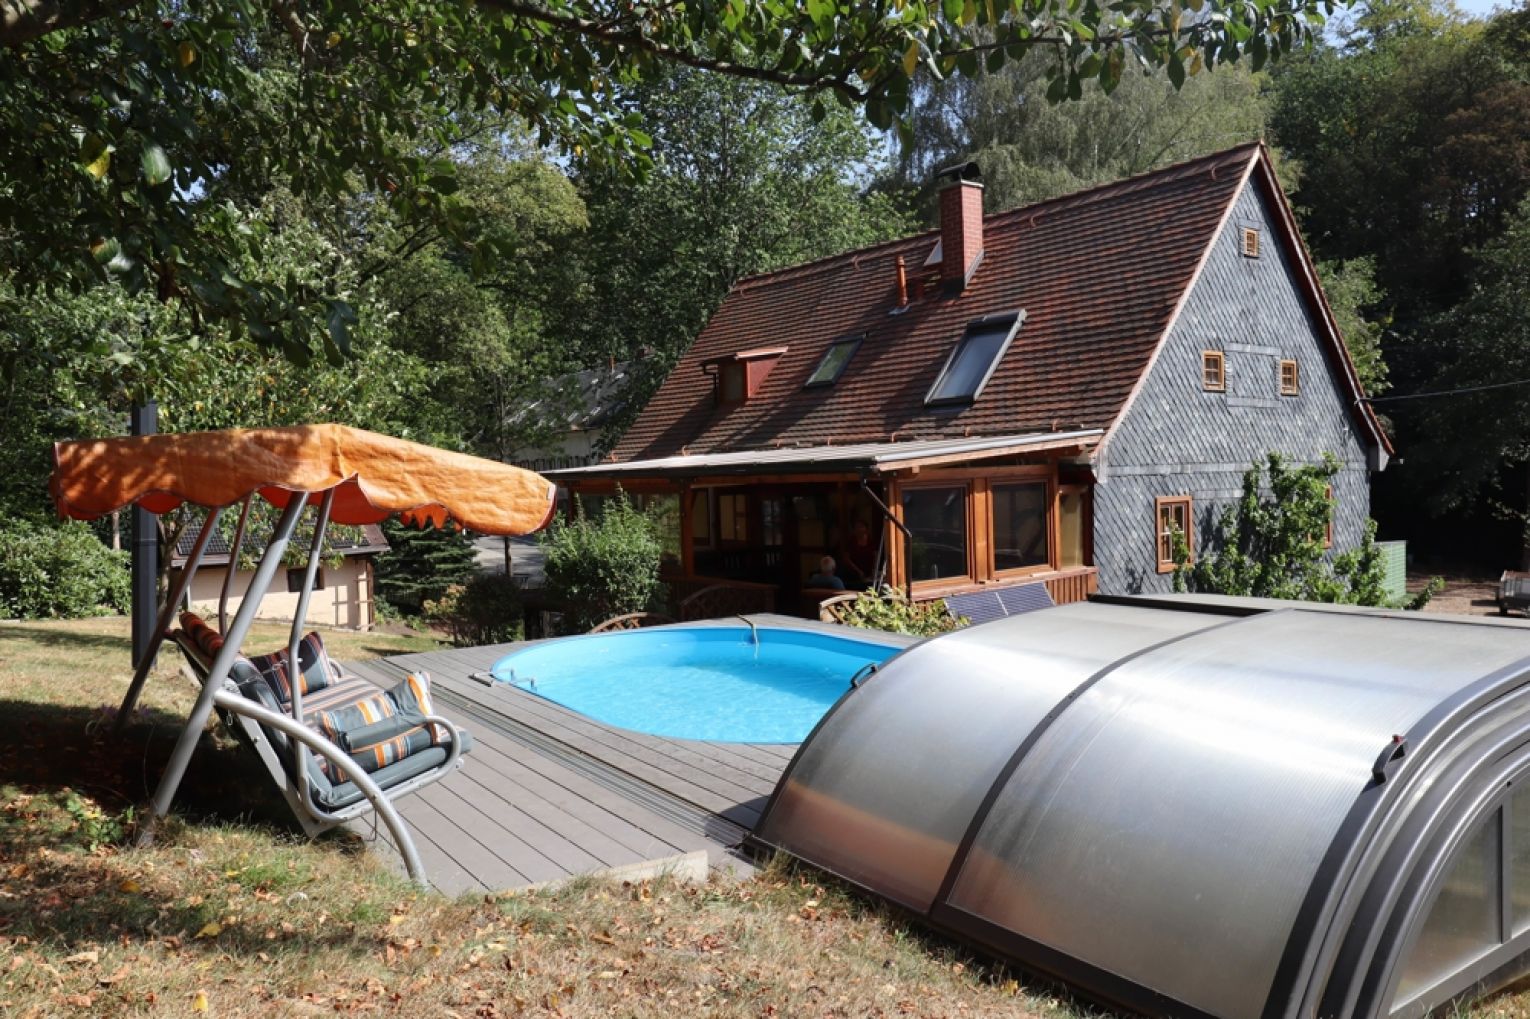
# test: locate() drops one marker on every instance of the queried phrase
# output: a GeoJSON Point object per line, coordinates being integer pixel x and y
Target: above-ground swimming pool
{"type": "Point", "coordinates": [704, 682]}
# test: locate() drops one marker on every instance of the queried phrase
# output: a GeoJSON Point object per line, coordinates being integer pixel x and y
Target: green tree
{"type": "Point", "coordinates": [1478, 432]}
{"type": "Point", "coordinates": [1031, 149]}
{"type": "Point", "coordinates": [744, 180]}
{"type": "Point", "coordinates": [421, 564]}
{"type": "Point", "coordinates": [1358, 306]}
{"type": "Point", "coordinates": [133, 126]}
{"type": "Point", "coordinates": [1270, 543]}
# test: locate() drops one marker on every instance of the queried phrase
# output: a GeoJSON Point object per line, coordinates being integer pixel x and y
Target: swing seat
{"type": "Point", "coordinates": [393, 737]}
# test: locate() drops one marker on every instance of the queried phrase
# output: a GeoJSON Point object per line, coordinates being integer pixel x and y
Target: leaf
{"type": "Point", "coordinates": [1176, 71]}
{"type": "Point", "coordinates": [156, 165]}
{"type": "Point", "coordinates": [210, 930]}
{"type": "Point", "coordinates": [186, 54]}
{"type": "Point", "coordinates": [130, 886]}
{"type": "Point", "coordinates": [104, 249]}
{"type": "Point", "coordinates": [96, 155]}
{"type": "Point", "coordinates": [199, 1002]}
{"type": "Point", "coordinates": [911, 58]}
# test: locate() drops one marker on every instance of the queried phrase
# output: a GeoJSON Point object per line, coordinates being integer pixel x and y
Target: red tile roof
{"type": "Point", "coordinates": [1099, 274]}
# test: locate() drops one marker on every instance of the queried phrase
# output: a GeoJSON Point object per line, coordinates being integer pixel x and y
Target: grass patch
{"type": "Point", "coordinates": [233, 913]}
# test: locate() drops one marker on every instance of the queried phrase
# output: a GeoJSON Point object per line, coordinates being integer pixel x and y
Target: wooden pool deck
{"type": "Point", "coordinates": [548, 794]}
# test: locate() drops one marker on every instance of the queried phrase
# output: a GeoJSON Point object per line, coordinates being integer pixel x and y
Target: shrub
{"type": "Point", "coordinates": [597, 569]}
{"type": "Point", "coordinates": [1270, 544]}
{"type": "Point", "coordinates": [60, 571]}
{"type": "Point", "coordinates": [485, 610]}
{"type": "Point", "coordinates": [889, 610]}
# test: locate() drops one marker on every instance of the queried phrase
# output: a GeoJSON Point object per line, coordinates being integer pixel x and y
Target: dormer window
{"type": "Point", "coordinates": [739, 376]}
{"type": "Point", "coordinates": [972, 363]}
{"type": "Point", "coordinates": [834, 361]}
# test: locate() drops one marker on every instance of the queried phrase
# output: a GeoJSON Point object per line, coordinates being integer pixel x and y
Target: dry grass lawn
{"type": "Point", "coordinates": [231, 913]}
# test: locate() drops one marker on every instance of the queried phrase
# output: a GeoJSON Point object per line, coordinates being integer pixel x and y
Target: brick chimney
{"type": "Point", "coordinates": [961, 225]}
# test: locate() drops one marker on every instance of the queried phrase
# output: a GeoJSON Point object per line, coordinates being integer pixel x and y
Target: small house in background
{"type": "Point", "coordinates": [1044, 396]}
{"type": "Point", "coordinates": [574, 413]}
{"type": "Point", "coordinates": [343, 595]}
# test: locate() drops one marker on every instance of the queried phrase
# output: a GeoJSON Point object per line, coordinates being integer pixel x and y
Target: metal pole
{"type": "Point", "coordinates": [180, 757]}
{"type": "Point", "coordinates": [233, 563]}
{"type": "Point", "coordinates": [144, 420]}
{"type": "Point", "coordinates": [294, 661]}
{"type": "Point", "coordinates": [162, 624]}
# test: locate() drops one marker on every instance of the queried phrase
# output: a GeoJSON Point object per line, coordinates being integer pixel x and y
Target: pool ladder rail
{"type": "Point", "coordinates": [490, 678]}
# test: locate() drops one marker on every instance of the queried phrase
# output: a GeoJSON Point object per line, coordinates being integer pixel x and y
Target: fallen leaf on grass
{"type": "Point", "coordinates": [199, 1001]}
{"type": "Point", "coordinates": [210, 930]}
{"type": "Point", "coordinates": [130, 887]}
{"type": "Point", "coordinates": [81, 958]}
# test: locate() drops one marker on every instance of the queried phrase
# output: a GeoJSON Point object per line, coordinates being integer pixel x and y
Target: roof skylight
{"type": "Point", "coordinates": [973, 361]}
{"type": "Point", "coordinates": [834, 360]}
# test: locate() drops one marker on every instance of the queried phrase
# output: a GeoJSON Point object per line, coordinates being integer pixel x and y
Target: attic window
{"type": "Point", "coordinates": [834, 361]}
{"type": "Point", "coordinates": [738, 377]}
{"type": "Point", "coordinates": [1290, 379]}
{"type": "Point", "coordinates": [1213, 371]}
{"type": "Point", "coordinates": [1250, 242]}
{"type": "Point", "coordinates": [973, 361]}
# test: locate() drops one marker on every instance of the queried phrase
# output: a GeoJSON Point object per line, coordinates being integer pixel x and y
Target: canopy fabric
{"type": "Point", "coordinates": [375, 476]}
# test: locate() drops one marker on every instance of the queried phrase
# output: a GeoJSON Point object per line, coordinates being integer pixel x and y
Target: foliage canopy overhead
{"type": "Point", "coordinates": [133, 128]}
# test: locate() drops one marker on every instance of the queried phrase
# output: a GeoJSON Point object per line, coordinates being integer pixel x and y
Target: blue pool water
{"type": "Point", "coordinates": [706, 683]}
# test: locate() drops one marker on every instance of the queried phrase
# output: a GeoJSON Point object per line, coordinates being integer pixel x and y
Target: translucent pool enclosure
{"type": "Point", "coordinates": [1195, 809]}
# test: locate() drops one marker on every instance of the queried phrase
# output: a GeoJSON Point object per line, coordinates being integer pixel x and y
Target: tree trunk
{"type": "Point", "coordinates": [1524, 525]}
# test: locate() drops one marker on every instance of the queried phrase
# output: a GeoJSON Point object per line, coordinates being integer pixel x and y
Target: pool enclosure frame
{"type": "Point", "coordinates": [1133, 808]}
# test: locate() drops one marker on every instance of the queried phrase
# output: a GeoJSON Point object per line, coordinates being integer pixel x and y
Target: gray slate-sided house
{"type": "Point", "coordinates": [1038, 395]}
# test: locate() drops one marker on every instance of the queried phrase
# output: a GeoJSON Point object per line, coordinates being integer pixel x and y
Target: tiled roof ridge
{"type": "Point", "coordinates": [1073, 199]}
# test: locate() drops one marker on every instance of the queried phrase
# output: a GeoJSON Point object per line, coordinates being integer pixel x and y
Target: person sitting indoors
{"type": "Point", "coordinates": [825, 577]}
{"type": "Point", "coordinates": [861, 554]}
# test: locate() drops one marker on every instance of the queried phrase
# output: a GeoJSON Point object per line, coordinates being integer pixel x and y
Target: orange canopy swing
{"type": "Point", "coordinates": [354, 476]}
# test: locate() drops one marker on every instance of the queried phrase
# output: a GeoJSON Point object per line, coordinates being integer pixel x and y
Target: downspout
{"type": "Point", "coordinates": [908, 582]}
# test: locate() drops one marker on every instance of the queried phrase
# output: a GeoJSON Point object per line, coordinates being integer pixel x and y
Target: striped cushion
{"type": "Point", "coordinates": [206, 642]}
{"type": "Point", "coordinates": [383, 728]}
{"type": "Point", "coordinates": [204, 638]}
{"type": "Point", "coordinates": [317, 670]}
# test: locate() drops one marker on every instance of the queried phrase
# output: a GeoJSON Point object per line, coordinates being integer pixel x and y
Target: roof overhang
{"type": "Point", "coordinates": [862, 458]}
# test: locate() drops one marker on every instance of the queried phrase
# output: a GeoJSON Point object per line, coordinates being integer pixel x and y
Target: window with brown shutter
{"type": "Point", "coordinates": [1250, 242]}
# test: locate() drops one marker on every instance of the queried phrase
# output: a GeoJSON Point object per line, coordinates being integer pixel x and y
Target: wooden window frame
{"type": "Point", "coordinates": [717, 527]}
{"type": "Point", "coordinates": [1050, 501]}
{"type": "Point", "coordinates": [1161, 504]}
{"type": "Point", "coordinates": [1250, 247]}
{"type": "Point", "coordinates": [969, 500]}
{"type": "Point", "coordinates": [1295, 388]}
{"type": "Point", "coordinates": [1219, 359]}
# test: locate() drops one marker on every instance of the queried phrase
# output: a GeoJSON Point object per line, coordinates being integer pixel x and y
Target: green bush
{"type": "Point", "coordinates": [485, 610]}
{"type": "Point", "coordinates": [597, 569]}
{"type": "Point", "coordinates": [59, 571]}
{"type": "Point", "coordinates": [889, 610]}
